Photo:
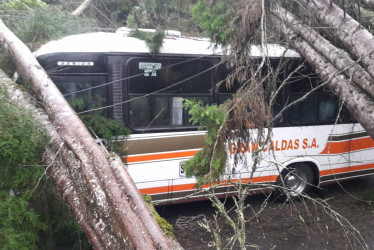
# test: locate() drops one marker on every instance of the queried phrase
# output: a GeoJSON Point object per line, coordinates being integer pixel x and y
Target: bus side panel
{"type": "Point", "coordinates": [295, 144]}
{"type": "Point", "coordinates": [362, 151]}
{"type": "Point", "coordinates": [158, 173]}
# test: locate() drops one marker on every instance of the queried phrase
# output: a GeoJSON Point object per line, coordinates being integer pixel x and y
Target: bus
{"type": "Point", "coordinates": [314, 142]}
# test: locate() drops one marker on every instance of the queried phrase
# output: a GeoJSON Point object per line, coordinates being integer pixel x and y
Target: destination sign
{"type": "Point", "coordinates": [149, 68]}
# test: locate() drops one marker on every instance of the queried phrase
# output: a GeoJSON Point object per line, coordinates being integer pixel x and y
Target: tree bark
{"type": "Point", "coordinates": [82, 7]}
{"type": "Point", "coordinates": [63, 167]}
{"type": "Point", "coordinates": [97, 186]}
{"type": "Point", "coordinates": [359, 41]}
{"type": "Point", "coordinates": [338, 57]}
{"type": "Point", "coordinates": [358, 103]}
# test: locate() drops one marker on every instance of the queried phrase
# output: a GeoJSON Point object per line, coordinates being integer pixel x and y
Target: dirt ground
{"type": "Point", "coordinates": [344, 221]}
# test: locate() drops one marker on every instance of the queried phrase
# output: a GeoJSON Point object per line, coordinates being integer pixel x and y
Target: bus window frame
{"type": "Point", "coordinates": [130, 96]}
{"type": "Point", "coordinates": [89, 77]}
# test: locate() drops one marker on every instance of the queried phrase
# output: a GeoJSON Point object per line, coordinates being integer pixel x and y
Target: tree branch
{"type": "Point", "coordinates": [82, 7]}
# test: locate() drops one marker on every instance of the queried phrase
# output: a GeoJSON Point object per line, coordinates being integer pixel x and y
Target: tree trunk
{"type": "Point", "coordinates": [97, 186]}
{"type": "Point", "coordinates": [82, 7]}
{"type": "Point", "coordinates": [338, 57]}
{"type": "Point", "coordinates": [359, 41]}
{"type": "Point", "coordinates": [358, 103]}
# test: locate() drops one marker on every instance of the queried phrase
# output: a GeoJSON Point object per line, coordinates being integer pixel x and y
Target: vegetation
{"type": "Point", "coordinates": [152, 40]}
{"type": "Point", "coordinates": [35, 23]}
{"type": "Point", "coordinates": [166, 14]}
{"type": "Point", "coordinates": [214, 19]}
{"type": "Point", "coordinates": [25, 223]}
{"type": "Point", "coordinates": [164, 225]}
{"type": "Point", "coordinates": [32, 213]}
{"type": "Point", "coordinates": [209, 163]}
{"type": "Point", "coordinates": [105, 128]}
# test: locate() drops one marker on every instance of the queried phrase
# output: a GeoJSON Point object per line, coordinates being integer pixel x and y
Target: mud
{"type": "Point", "coordinates": [337, 219]}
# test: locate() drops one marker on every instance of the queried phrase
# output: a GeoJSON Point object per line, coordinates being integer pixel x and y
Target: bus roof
{"type": "Point", "coordinates": [173, 43]}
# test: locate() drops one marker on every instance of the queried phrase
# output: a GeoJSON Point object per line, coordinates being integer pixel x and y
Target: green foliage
{"type": "Point", "coordinates": [21, 142]}
{"type": "Point", "coordinates": [214, 18]}
{"type": "Point", "coordinates": [104, 127]}
{"type": "Point", "coordinates": [39, 25]}
{"type": "Point", "coordinates": [32, 212]}
{"type": "Point", "coordinates": [131, 22]}
{"type": "Point", "coordinates": [164, 225]}
{"type": "Point", "coordinates": [19, 225]}
{"type": "Point", "coordinates": [166, 14]}
{"type": "Point", "coordinates": [152, 40]}
{"type": "Point", "coordinates": [209, 163]}
{"type": "Point", "coordinates": [120, 10]}
{"type": "Point", "coordinates": [23, 4]}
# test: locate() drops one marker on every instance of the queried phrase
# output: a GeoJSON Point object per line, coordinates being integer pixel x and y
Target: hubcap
{"type": "Point", "coordinates": [295, 182]}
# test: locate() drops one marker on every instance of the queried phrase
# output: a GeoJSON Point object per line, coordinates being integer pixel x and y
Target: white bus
{"type": "Point", "coordinates": [315, 141]}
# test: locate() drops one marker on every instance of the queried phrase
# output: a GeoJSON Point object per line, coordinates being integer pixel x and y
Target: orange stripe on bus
{"type": "Point", "coordinates": [166, 189]}
{"type": "Point", "coordinates": [192, 186]}
{"type": "Point", "coordinates": [161, 156]}
{"type": "Point", "coordinates": [362, 143]}
{"type": "Point", "coordinates": [363, 167]}
{"type": "Point", "coordinates": [346, 169]}
{"type": "Point", "coordinates": [260, 179]}
{"type": "Point", "coordinates": [347, 146]}
{"type": "Point", "coordinates": [334, 171]}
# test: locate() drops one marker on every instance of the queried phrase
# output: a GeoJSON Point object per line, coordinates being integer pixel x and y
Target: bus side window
{"type": "Point", "coordinates": [327, 109]}
{"type": "Point", "coordinates": [159, 87]}
{"type": "Point", "coordinates": [304, 111]}
{"type": "Point", "coordinates": [83, 93]}
{"type": "Point", "coordinates": [319, 108]}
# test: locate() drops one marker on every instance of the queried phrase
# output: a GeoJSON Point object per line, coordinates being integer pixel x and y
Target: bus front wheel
{"type": "Point", "coordinates": [295, 180]}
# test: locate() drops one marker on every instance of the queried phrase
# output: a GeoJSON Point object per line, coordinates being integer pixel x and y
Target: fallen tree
{"type": "Point", "coordinates": [95, 183]}
{"type": "Point", "coordinates": [344, 76]}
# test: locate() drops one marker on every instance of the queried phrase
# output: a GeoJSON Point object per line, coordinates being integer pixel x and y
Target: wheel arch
{"type": "Point", "coordinates": [312, 163]}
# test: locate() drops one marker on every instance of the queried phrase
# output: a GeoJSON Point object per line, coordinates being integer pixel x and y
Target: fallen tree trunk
{"type": "Point", "coordinates": [359, 41]}
{"type": "Point", "coordinates": [62, 176]}
{"type": "Point", "coordinates": [96, 185]}
{"type": "Point", "coordinates": [358, 102]}
{"type": "Point", "coordinates": [338, 57]}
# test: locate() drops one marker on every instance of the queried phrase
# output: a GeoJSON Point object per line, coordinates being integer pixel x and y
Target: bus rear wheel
{"type": "Point", "coordinates": [295, 180]}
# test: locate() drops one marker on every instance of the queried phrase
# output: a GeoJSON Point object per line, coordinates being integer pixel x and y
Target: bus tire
{"type": "Point", "coordinates": [295, 180]}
